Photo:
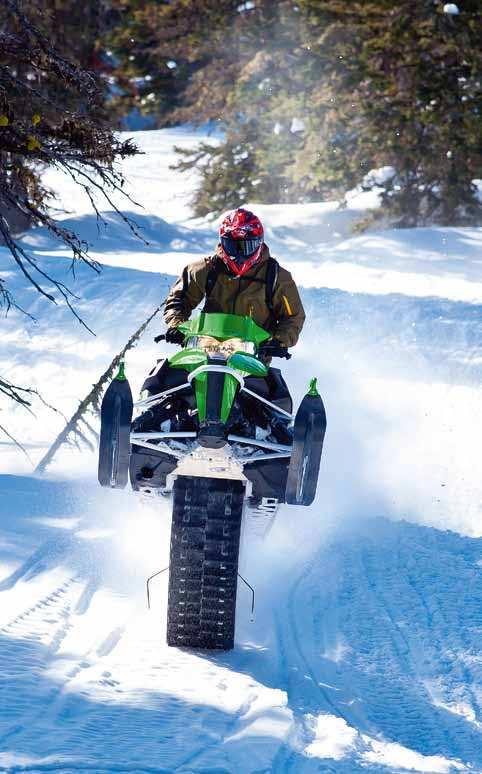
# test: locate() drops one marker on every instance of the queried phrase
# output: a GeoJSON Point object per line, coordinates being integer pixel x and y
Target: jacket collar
{"type": "Point", "coordinates": [251, 273]}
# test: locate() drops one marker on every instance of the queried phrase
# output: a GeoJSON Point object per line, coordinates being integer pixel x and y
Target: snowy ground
{"type": "Point", "coordinates": [365, 654]}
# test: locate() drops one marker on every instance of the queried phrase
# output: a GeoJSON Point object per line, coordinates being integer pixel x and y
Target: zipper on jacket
{"type": "Point", "coordinates": [287, 306]}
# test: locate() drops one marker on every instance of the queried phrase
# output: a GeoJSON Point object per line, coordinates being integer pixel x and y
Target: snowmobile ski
{"type": "Point", "coordinates": [115, 429]}
{"type": "Point", "coordinates": [309, 434]}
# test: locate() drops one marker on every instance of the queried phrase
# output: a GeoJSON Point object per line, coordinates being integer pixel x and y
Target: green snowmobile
{"type": "Point", "coordinates": [214, 427]}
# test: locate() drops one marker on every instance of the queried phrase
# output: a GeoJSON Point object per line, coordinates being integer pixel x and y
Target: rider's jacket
{"type": "Point", "coordinates": [244, 295]}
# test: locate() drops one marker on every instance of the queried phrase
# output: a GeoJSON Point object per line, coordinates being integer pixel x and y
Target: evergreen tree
{"type": "Point", "coordinates": [312, 94]}
{"type": "Point", "coordinates": [400, 87]}
{"type": "Point", "coordinates": [261, 110]}
{"type": "Point", "coordinates": [167, 60]}
{"type": "Point", "coordinates": [49, 110]}
{"type": "Point", "coordinates": [50, 115]}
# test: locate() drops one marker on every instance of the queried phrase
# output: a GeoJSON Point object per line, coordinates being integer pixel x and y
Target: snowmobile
{"type": "Point", "coordinates": [214, 429]}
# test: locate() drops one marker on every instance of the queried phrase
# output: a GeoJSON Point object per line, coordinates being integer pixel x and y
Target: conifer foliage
{"type": "Point", "coordinates": [399, 87]}
{"type": "Point", "coordinates": [50, 115]}
{"type": "Point", "coordinates": [313, 94]}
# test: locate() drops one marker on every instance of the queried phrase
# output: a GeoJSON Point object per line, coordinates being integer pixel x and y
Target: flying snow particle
{"type": "Point", "coordinates": [451, 8]}
{"type": "Point", "coordinates": [171, 64]}
{"type": "Point", "coordinates": [297, 125]}
{"type": "Point", "coordinates": [449, 154]}
{"type": "Point", "coordinates": [379, 177]}
{"type": "Point", "coordinates": [248, 6]}
{"type": "Point", "coordinates": [277, 128]}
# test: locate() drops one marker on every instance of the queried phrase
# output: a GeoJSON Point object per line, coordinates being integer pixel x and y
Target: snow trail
{"type": "Point", "coordinates": [365, 652]}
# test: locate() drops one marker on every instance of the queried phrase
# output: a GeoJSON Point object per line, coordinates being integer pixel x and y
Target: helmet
{"type": "Point", "coordinates": [241, 236]}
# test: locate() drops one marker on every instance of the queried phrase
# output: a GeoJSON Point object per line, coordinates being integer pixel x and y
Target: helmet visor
{"type": "Point", "coordinates": [240, 249]}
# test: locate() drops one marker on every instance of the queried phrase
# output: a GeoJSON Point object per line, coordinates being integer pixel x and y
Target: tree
{"type": "Point", "coordinates": [166, 61]}
{"type": "Point", "coordinates": [50, 115]}
{"type": "Point", "coordinates": [404, 85]}
{"type": "Point", "coordinates": [259, 108]}
{"type": "Point", "coordinates": [312, 94]}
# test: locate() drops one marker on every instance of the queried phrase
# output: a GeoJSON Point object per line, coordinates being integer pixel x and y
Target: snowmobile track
{"type": "Point", "coordinates": [204, 555]}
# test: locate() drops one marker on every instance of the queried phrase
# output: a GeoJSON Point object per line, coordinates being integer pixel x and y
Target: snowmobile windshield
{"type": "Point", "coordinates": [240, 249]}
{"type": "Point", "coordinates": [225, 326]}
{"type": "Point", "coordinates": [216, 348]}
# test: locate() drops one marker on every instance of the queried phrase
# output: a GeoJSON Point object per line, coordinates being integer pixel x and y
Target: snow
{"type": "Point", "coordinates": [396, 756]}
{"type": "Point", "coordinates": [297, 125]}
{"type": "Point", "coordinates": [379, 176]}
{"type": "Point", "coordinates": [333, 738]}
{"type": "Point", "coordinates": [364, 655]}
{"type": "Point", "coordinates": [451, 8]}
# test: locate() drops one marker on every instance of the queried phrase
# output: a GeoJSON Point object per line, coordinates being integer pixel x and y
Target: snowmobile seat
{"type": "Point", "coordinates": [163, 378]}
{"type": "Point", "coordinates": [259, 385]}
{"type": "Point", "coordinates": [278, 390]}
{"type": "Point", "coordinates": [272, 388]}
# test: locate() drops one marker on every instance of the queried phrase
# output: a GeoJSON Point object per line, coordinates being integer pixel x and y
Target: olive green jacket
{"type": "Point", "coordinates": [244, 295]}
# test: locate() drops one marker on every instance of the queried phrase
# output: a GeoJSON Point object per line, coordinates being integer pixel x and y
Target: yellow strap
{"type": "Point", "coordinates": [287, 305]}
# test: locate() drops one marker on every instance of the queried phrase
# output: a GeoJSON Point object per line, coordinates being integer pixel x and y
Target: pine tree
{"type": "Point", "coordinates": [260, 110]}
{"type": "Point", "coordinates": [313, 94]}
{"type": "Point", "coordinates": [50, 115]}
{"type": "Point", "coordinates": [404, 86]}
{"type": "Point", "coordinates": [167, 58]}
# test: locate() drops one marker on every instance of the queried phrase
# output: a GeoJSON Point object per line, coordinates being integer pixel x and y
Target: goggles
{"type": "Point", "coordinates": [240, 249]}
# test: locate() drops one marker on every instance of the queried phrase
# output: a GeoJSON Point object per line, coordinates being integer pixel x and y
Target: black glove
{"type": "Point", "coordinates": [273, 348]}
{"type": "Point", "coordinates": [174, 336]}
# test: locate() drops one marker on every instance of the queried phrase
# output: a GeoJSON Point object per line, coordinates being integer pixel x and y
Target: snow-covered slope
{"type": "Point", "coordinates": [365, 652]}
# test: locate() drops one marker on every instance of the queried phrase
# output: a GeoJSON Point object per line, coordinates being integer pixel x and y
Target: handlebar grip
{"type": "Point", "coordinates": [281, 352]}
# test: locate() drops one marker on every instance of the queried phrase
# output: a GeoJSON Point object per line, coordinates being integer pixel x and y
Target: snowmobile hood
{"type": "Point", "coordinates": [225, 326]}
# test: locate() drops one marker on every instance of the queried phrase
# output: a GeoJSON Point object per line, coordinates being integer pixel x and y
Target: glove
{"type": "Point", "coordinates": [273, 348]}
{"type": "Point", "coordinates": [174, 336]}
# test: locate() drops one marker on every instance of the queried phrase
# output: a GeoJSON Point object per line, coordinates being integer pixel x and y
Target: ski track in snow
{"type": "Point", "coordinates": [365, 654]}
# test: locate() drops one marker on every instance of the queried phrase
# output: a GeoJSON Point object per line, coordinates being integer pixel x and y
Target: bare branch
{"type": "Point", "coordinates": [17, 444]}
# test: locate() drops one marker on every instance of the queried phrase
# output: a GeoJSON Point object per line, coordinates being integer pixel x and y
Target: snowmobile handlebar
{"type": "Point", "coordinates": [266, 350]}
{"type": "Point", "coordinates": [274, 350]}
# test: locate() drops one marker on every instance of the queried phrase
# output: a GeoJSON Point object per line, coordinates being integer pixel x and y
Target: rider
{"type": "Point", "coordinates": [240, 278]}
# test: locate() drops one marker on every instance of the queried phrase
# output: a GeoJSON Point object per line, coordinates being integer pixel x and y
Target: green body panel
{"type": "Point", "coordinates": [229, 393]}
{"type": "Point", "coordinates": [225, 326]}
{"type": "Point", "coordinates": [189, 359]}
{"type": "Point", "coordinates": [247, 364]}
{"type": "Point", "coordinates": [201, 391]}
{"type": "Point", "coordinates": [222, 327]}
